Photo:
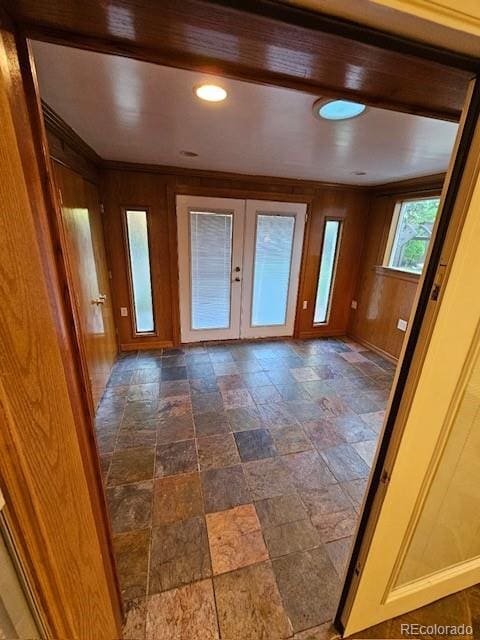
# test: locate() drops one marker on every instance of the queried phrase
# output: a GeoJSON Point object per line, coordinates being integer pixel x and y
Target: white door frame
{"type": "Point", "coordinates": [237, 208]}
{"type": "Point", "coordinates": [253, 208]}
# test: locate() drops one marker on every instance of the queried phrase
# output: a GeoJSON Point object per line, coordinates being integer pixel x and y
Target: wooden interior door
{"type": "Point", "coordinates": [85, 246]}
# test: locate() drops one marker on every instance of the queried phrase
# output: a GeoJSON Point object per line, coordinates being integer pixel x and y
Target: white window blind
{"type": "Point", "coordinates": [211, 269]}
{"type": "Point", "coordinates": [273, 255]}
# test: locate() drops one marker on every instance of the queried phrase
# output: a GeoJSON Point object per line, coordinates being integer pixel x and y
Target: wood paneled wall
{"type": "Point", "coordinates": [124, 187]}
{"type": "Point", "coordinates": [384, 295]}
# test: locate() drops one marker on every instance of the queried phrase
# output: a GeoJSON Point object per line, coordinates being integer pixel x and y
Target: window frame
{"type": "Point", "coordinates": [341, 224]}
{"type": "Point", "coordinates": [393, 228]}
{"type": "Point", "coordinates": [133, 315]}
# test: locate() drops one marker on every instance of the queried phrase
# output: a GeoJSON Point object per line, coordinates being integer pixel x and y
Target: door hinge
{"type": "Point", "coordinates": [102, 208]}
{"type": "Point", "coordinates": [437, 285]}
{"type": "Point", "coordinates": [385, 477]}
{"type": "Point", "coordinates": [60, 197]}
{"type": "Point", "coordinates": [358, 568]}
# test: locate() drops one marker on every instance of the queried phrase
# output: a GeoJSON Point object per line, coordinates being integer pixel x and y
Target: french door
{"type": "Point", "coordinates": [239, 265]}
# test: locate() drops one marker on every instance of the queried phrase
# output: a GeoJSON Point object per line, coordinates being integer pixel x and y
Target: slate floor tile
{"type": "Point", "coordinates": [235, 538]}
{"type": "Point", "coordinates": [324, 433]}
{"type": "Point", "coordinates": [237, 398]}
{"type": "Point", "coordinates": [355, 489]}
{"type": "Point", "coordinates": [308, 471]}
{"type": "Point", "coordinates": [179, 554]}
{"type": "Point", "coordinates": [175, 458]}
{"type": "Point", "coordinates": [289, 537]}
{"type": "Point", "coordinates": [203, 385]}
{"type": "Point", "coordinates": [345, 463]}
{"type": "Point", "coordinates": [174, 373]}
{"type": "Point", "coordinates": [146, 376]}
{"type": "Point", "coordinates": [336, 525]}
{"type": "Point", "coordinates": [302, 374]}
{"type": "Point", "coordinates": [339, 552]}
{"type": "Point", "coordinates": [186, 613]}
{"type": "Point", "coordinates": [224, 488]}
{"type": "Point", "coordinates": [131, 465]}
{"type": "Point", "coordinates": [265, 394]}
{"type": "Point", "coordinates": [137, 435]}
{"type": "Point", "coordinates": [171, 388]}
{"type": "Point", "coordinates": [249, 605]}
{"type": "Point", "coordinates": [175, 429]}
{"type": "Point", "coordinates": [279, 510]}
{"type": "Point", "coordinates": [268, 478]}
{"type": "Point", "coordinates": [366, 450]}
{"type": "Point", "coordinates": [147, 391]}
{"type": "Point", "coordinates": [173, 406]}
{"type": "Point", "coordinates": [276, 414]}
{"type": "Point", "coordinates": [233, 381]}
{"type": "Point", "coordinates": [217, 451]}
{"type": "Point", "coordinates": [130, 506]}
{"type": "Point", "coordinates": [135, 619]}
{"type": "Point", "coordinates": [244, 419]}
{"type": "Point", "coordinates": [353, 429]}
{"type": "Point", "coordinates": [253, 380]}
{"type": "Point", "coordinates": [290, 438]}
{"type": "Point", "coordinates": [207, 402]}
{"type": "Point", "coordinates": [177, 498]}
{"type": "Point", "coordinates": [309, 587]}
{"type": "Point", "coordinates": [131, 555]}
{"type": "Point", "coordinates": [255, 444]}
{"type": "Point", "coordinates": [211, 423]}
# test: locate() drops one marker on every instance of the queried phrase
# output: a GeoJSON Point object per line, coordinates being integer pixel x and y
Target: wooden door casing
{"type": "Point", "coordinates": [85, 248]}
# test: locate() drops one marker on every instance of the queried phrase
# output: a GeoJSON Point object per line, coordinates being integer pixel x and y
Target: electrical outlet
{"type": "Point", "coordinates": [354, 304]}
{"type": "Point", "coordinates": [305, 304]}
{"type": "Point", "coordinates": [402, 325]}
{"type": "Point", "coordinates": [124, 312]}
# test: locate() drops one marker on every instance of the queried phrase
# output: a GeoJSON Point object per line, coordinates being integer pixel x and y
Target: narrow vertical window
{"type": "Point", "coordinates": [328, 262]}
{"type": "Point", "coordinates": [139, 257]}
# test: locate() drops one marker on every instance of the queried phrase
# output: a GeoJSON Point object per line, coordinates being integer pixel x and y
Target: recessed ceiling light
{"type": "Point", "coordinates": [338, 109]}
{"type": "Point", "coordinates": [210, 92]}
{"type": "Point", "coordinates": [189, 154]}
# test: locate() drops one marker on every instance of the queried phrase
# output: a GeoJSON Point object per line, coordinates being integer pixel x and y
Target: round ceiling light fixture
{"type": "Point", "coordinates": [338, 109]}
{"type": "Point", "coordinates": [210, 92]}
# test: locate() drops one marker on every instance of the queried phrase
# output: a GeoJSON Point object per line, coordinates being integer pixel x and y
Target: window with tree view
{"type": "Point", "coordinates": [413, 230]}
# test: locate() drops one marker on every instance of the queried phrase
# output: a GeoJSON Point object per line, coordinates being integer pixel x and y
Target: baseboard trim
{"type": "Point", "coordinates": [321, 333]}
{"type": "Point", "coordinates": [145, 346]}
{"type": "Point", "coordinates": [373, 347]}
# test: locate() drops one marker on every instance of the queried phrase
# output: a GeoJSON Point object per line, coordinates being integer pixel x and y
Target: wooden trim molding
{"type": "Point", "coordinates": [64, 131]}
{"type": "Point", "coordinates": [390, 272]}
{"type": "Point", "coordinates": [424, 184]}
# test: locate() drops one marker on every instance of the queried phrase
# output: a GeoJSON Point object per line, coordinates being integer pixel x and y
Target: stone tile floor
{"type": "Point", "coordinates": [234, 474]}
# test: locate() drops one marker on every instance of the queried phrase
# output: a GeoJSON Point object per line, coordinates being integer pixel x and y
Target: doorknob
{"type": "Point", "coordinates": [99, 300]}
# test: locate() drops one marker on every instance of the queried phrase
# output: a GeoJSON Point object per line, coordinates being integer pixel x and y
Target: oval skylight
{"type": "Point", "coordinates": [340, 110]}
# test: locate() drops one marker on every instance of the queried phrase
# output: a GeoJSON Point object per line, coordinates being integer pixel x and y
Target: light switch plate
{"type": "Point", "coordinates": [124, 312]}
{"type": "Point", "coordinates": [402, 325]}
{"type": "Point", "coordinates": [305, 304]}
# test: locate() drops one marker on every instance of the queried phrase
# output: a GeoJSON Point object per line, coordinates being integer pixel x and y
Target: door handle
{"type": "Point", "coordinates": [99, 300]}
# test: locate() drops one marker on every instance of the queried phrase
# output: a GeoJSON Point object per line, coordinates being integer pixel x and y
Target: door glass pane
{"type": "Point", "coordinates": [137, 232]}
{"type": "Point", "coordinates": [447, 532]}
{"type": "Point", "coordinates": [211, 269]}
{"type": "Point", "coordinates": [327, 271]}
{"type": "Point", "coordinates": [271, 275]}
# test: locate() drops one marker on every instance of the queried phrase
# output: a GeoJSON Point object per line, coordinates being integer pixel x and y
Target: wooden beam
{"type": "Point", "coordinates": [265, 42]}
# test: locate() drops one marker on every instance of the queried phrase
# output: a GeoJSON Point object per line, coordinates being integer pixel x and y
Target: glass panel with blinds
{"type": "Point", "coordinates": [271, 275]}
{"type": "Point", "coordinates": [211, 269]}
{"type": "Point", "coordinates": [411, 234]}
{"type": "Point", "coordinates": [328, 261]}
{"type": "Point", "coordinates": [139, 256]}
